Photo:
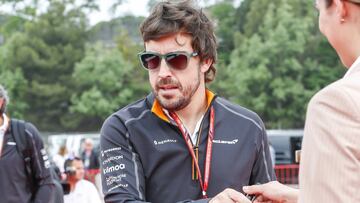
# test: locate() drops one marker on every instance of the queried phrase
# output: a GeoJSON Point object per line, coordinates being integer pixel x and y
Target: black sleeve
{"type": "Point", "coordinates": [40, 167]}
{"type": "Point", "coordinates": [122, 176]}
{"type": "Point", "coordinates": [263, 170]}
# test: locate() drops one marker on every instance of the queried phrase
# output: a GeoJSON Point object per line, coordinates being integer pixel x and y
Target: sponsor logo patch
{"type": "Point", "coordinates": [112, 179]}
{"type": "Point", "coordinates": [120, 185]}
{"type": "Point", "coordinates": [164, 141]}
{"type": "Point", "coordinates": [226, 141]}
{"type": "Point", "coordinates": [111, 169]}
{"type": "Point", "coordinates": [110, 150]}
{"type": "Point", "coordinates": [112, 158]}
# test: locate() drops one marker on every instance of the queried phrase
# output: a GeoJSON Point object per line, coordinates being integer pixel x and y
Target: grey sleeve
{"type": "Point", "coordinates": [263, 170]}
{"type": "Point", "coordinates": [122, 175]}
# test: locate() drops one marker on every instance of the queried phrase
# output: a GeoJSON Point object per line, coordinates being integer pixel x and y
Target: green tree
{"type": "Point", "coordinates": [223, 13]}
{"type": "Point", "coordinates": [240, 15]}
{"type": "Point", "coordinates": [272, 67]}
{"type": "Point", "coordinates": [130, 49]}
{"type": "Point", "coordinates": [10, 24]}
{"type": "Point", "coordinates": [45, 53]}
{"type": "Point", "coordinates": [105, 80]}
{"type": "Point", "coordinates": [108, 32]}
{"type": "Point", "coordinates": [13, 80]}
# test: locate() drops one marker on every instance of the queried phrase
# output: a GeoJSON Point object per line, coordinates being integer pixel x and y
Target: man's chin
{"type": "Point", "coordinates": [174, 104]}
{"type": "Point", "coordinates": [168, 104]}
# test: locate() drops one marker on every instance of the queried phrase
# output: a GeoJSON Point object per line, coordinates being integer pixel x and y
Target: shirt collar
{"type": "Point", "coordinates": [196, 130]}
{"type": "Point", "coordinates": [355, 66]}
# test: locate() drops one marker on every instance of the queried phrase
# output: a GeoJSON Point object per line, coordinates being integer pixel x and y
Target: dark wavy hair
{"type": "Point", "coordinates": [173, 17]}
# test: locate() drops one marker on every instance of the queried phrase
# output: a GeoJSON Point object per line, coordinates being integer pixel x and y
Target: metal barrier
{"type": "Point", "coordinates": [287, 174]}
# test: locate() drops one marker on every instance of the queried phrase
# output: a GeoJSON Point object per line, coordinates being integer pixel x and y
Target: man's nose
{"type": "Point", "coordinates": [164, 69]}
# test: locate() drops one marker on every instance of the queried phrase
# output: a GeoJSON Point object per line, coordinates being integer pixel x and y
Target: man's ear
{"type": "Point", "coordinates": [205, 65]}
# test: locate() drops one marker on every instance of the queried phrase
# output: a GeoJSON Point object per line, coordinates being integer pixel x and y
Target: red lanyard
{"type": "Point", "coordinates": [204, 185]}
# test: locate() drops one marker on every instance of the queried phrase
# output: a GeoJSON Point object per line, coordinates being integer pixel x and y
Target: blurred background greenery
{"type": "Point", "coordinates": [63, 74]}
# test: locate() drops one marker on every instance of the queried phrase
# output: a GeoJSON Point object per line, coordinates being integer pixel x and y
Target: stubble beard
{"type": "Point", "coordinates": [186, 94]}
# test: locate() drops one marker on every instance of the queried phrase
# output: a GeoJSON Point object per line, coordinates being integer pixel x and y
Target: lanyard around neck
{"type": "Point", "coordinates": [204, 185]}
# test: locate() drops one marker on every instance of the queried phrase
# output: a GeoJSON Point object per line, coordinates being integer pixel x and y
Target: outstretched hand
{"type": "Point", "coordinates": [229, 196]}
{"type": "Point", "coordinates": [272, 192]}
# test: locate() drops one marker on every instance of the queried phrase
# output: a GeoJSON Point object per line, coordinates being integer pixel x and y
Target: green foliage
{"type": "Point", "coordinates": [271, 68]}
{"type": "Point", "coordinates": [105, 82]}
{"type": "Point", "coordinates": [13, 80]}
{"type": "Point", "coordinates": [10, 24]}
{"type": "Point", "coordinates": [272, 59]}
{"type": "Point", "coordinates": [223, 15]}
{"type": "Point", "coordinates": [45, 54]}
{"type": "Point", "coordinates": [107, 32]}
{"type": "Point", "coordinates": [129, 50]}
{"type": "Point", "coordinates": [240, 15]}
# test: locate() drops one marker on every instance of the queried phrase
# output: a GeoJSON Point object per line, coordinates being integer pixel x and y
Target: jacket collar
{"type": "Point", "coordinates": [158, 110]}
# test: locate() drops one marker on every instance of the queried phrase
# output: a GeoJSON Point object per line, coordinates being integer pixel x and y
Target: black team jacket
{"type": "Point", "coordinates": [144, 157]}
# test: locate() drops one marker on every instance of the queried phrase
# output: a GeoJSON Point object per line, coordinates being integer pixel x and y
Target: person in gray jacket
{"type": "Point", "coordinates": [181, 143]}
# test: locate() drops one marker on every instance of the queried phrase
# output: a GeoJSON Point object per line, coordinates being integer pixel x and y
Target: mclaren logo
{"type": "Point", "coordinates": [226, 141]}
{"type": "Point", "coordinates": [164, 141]}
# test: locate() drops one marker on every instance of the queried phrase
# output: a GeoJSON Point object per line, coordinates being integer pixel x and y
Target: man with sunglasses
{"type": "Point", "coordinates": [181, 143]}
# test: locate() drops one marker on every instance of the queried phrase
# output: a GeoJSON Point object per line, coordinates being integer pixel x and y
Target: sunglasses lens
{"type": "Point", "coordinates": [150, 61]}
{"type": "Point", "coordinates": [177, 60]}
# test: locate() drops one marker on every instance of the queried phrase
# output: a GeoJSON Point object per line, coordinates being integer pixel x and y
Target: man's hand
{"type": "Point", "coordinates": [229, 196]}
{"type": "Point", "coordinates": [272, 192]}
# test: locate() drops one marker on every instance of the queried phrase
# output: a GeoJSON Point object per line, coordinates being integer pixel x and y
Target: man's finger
{"type": "Point", "coordinates": [261, 199]}
{"type": "Point", "coordinates": [237, 196]}
{"type": "Point", "coordinates": [253, 189]}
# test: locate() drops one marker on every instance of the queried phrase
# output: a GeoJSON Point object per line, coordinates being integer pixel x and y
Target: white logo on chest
{"type": "Point", "coordinates": [164, 141]}
{"type": "Point", "coordinates": [225, 141]}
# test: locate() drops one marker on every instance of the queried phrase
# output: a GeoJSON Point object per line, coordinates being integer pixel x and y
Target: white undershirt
{"type": "Point", "coordinates": [197, 129]}
{"type": "Point", "coordinates": [3, 128]}
{"type": "Point", "coordinates": [194, 135]}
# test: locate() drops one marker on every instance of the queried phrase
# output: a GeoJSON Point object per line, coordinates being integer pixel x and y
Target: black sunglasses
{"type": "Point", "coordinates": [177, 60]}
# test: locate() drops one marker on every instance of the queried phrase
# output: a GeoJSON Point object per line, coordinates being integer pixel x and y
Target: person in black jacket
{"type": "Point", "coordinates": [14, 181]}
{"type": "Point", "coordinates": [181, 143]}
